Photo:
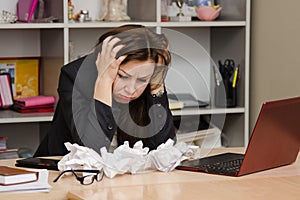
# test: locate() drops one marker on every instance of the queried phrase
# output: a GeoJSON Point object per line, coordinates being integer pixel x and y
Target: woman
{"type": "Point", "coordinates": [118, 90]}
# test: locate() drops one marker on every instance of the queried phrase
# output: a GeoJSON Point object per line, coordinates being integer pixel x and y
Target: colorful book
{"type": "Point", "coordinates": [34, 110]}
{"type": "Point", "coordinates": [11, 175]}
{"type": "Point", "coordinates": [34, 101]}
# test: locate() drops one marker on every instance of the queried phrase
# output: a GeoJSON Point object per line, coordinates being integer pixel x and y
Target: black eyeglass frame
{"type": "Point", "coordinates": [81, 178]}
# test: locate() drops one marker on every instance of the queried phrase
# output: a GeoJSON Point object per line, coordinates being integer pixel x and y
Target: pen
{"type": "Point", "coordinates": [235, 76]}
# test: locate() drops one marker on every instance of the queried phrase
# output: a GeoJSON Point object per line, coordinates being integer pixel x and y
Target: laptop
{"type": "Point", "coordinates": [275, 142]}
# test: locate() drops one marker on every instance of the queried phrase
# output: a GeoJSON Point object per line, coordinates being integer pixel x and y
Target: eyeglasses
{"type": "Point", "coordinates": [84, 180]}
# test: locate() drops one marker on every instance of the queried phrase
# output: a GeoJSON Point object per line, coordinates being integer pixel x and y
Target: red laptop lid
{"type": "Point", "coordinates": [275, 140]}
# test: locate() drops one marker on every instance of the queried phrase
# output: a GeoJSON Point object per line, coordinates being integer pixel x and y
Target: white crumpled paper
{"type": "Point", "coordinates": [125, 159]}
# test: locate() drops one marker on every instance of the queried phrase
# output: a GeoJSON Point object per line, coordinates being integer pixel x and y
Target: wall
{"type": "Point", "coordinates": [275, 57]}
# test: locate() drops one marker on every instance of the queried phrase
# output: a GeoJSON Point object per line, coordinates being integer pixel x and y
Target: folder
{"type": "Point", "coordinates": [25, 9]}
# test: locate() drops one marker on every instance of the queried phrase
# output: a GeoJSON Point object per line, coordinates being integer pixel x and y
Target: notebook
{"type": "Point", "coordinates": [274, 142]}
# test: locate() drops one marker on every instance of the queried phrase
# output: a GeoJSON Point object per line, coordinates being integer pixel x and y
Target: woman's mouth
{"type": "Point", "coordinates": [125, 98]}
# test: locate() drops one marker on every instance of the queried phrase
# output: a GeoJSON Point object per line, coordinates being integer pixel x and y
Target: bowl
{"type": "Point", "coordinates": [208, 13]}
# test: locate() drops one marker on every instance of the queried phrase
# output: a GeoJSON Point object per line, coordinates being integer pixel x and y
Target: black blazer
{"type": "Point", "coordinates": [80, 119]}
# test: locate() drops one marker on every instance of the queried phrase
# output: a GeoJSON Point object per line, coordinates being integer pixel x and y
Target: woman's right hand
{"type": "Point", "coordinates": [107, 64]}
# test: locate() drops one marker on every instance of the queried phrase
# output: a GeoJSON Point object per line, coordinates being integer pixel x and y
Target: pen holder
{"type": "Point", "coordinates": [226, 90]}
{"type": "Point", "coordinates": [225, 95]}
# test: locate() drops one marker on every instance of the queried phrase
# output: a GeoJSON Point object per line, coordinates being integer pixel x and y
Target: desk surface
{"type": "Point", "coordinates": [278, 183]}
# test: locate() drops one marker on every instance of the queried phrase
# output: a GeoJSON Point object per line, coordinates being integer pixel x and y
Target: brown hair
{"type": "Point", "coordinates": [141, 43]}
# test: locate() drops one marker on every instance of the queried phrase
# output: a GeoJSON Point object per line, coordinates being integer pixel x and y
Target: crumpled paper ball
{"type": "Point", "coordinates": [125, 159]}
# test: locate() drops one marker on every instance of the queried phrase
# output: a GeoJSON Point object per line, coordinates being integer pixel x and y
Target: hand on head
{"type": "Point", "coordinates": [107, 63]}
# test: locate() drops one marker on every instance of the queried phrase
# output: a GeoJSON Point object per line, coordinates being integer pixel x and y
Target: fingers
{"type": "Point", "coordinates": [116, 64]}
{"type": "Point", "coordinates": [109, 48]}
{"type": "Point", "coordinates": [120, 59]}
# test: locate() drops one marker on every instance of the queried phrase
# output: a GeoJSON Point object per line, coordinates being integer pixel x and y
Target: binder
{"type": "Point", "coordinates": [6, 96]}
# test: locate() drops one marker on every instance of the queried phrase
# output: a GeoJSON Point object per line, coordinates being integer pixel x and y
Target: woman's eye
{"type": "Point", "coordinates": [122, 76]}
{"type": "Point", "coordinates": [143, 80]}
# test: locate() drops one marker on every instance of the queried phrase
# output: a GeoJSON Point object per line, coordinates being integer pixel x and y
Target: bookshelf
{"type": "Point", "coordinates": [58, 43]}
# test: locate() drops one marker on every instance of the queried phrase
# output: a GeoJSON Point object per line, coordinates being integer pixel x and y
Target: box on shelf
{"type": "Point", "coordinates": [180, 18]}
{"type": "Point", "coordinates": [197, 131]}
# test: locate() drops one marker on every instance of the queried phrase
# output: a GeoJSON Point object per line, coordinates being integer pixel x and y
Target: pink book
{"type": "Point", "coordinates": [35, 101]}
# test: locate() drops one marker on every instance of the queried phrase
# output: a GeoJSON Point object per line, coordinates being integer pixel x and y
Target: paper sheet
{"type": "Point", "coordinates": [125, 159]}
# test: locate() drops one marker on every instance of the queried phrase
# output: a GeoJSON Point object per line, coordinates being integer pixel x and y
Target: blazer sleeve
{"type": "Point", "coordinates": [79, 108]}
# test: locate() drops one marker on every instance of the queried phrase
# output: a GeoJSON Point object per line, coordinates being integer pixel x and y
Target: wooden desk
{"type": "Point", "coordinates": [279, 183]}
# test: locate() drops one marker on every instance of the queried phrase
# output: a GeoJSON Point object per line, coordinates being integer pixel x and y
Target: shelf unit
{"type": "Point", "coordinates": [227, 37]}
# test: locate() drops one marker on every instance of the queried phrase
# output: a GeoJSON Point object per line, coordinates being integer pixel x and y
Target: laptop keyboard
{"type": "Point", "coordinates": [227, 168]}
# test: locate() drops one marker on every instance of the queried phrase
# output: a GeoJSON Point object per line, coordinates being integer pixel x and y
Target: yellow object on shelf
{"type": "Point", "coordinates": [24, 74]}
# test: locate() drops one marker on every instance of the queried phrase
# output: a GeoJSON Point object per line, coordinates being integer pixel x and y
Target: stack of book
{"type": "Point", "coordinates": [3, 143]}
{"type": "Point", "coordinates": [34, 104]}
{"type": "Point", "coordinates": [16, 180]}
{"type": "Point", "coordinates": [9, 154]}
{"type": "Point", "coordinates": [6, 153]}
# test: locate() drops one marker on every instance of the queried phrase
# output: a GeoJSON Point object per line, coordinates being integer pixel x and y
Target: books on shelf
{"type": "Point", "coordinates": [12, 175]}
{"type": "Point", "coordinates": [6, 97]}
{"type": "Point", "coordinates": [196, 135]}
{"type": "Point", "coordinates": [35, 101]}
{"type": "Point", "coordinates": [9, 154]}
{"type": "Point", "coordinates": [6, 153]}
{"type": "Point", "coordinates": [175, 105]}
{"type": "Point", "coordinates": [33, 104]}
{"type": "Point", "coordinates": [3, 143]}
{"type": "Point", "coordinates": [39, 185]}
{"type": "Point", "coordinates": [184, 100]}
{"type": "Point", "coordinates": [197, 131]}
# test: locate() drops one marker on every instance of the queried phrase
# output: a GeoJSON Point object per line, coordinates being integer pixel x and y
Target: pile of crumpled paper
{"type": "Point", "coordinates": [125, 159]}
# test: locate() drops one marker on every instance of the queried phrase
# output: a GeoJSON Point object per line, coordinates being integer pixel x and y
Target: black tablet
{"type": "Point", "coordinates": [39, 163]}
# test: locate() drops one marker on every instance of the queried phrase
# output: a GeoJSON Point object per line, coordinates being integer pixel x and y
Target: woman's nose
{"type": "Point", "coordinates": [130, 87]}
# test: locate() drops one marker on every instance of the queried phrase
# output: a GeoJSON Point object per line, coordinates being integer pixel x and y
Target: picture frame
{"type": "Point", "coordinates": [24, 73]}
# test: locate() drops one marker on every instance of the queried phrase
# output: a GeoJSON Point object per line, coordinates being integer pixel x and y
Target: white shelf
{"type": "Point", "coordinates": [32, 26]}
{"type": "Point", "coordinates": [106, 24]}
{"type": "Point", "coordinates": [208, 111]}
{"type": "Point", "coordinates": [9, 116]}
{"type": "Point", "coordinates": [96, 24]}
{"type": "Point", "coordinates": [203, 24]}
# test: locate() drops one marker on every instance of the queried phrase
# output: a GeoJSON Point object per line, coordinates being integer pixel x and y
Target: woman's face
{"type": "Point", "coordinates": [132, 79]}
